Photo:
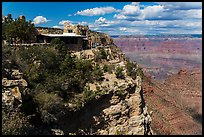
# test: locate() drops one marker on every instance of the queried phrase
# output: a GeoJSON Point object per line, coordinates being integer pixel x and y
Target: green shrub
{"type": "Point", "coordinates": [140, 73]}
{"type": "Point", "coordinates": [88, 94]}
{"type": "Point", "coordinates": [103, 54]}
{"type": "Point", "coordinates": [119, 73]}
{"type": "Point", "coordinates": [49, 105]}
{"type": "Point", "coordinates": [15, 123]}
{"type": "Point", "coordinates": [131, 70]}
{"type": "Point", "coordinates": [100, 55]}
{"type": "Point", "coordinates": [60, 46]}
{"type": "Point", "coordinates": [97, 73]}
{"type": "Point", "coordinates": [120, 93]}
{"type": "Point", "coordinates": [105, 68]}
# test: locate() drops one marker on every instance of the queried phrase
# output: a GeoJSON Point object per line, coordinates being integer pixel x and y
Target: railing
{"type": "Point", "coordinates": [30, 44]}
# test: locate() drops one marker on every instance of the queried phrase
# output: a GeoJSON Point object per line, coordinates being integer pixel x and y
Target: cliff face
{"type": "Point", "coordinates": [120, 106]}
{"type": "Point", "coordinates": [177, 103]}
{"type": "Point", "coordinates": [97, 38]}
{"type": "Point", "coordinates": [116, 107]}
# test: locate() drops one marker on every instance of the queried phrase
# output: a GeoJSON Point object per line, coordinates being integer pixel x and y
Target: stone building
{"type": "Point", "coordinates": [74, 36]}
{"type": "Point", "coordinates": [72, 40]}
{"type": "Point", "coordinates": [78, 29]}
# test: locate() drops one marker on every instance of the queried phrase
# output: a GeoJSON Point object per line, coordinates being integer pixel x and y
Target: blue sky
{"type": "Point", "coordinates": [114, 18]}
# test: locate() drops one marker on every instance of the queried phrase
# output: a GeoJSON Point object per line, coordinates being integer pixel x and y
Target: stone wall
{"type": "Point", "coordinates": [45, 30]}
{"type": "Point", "coordinates": [78, 29]}
{"type": "Point", "coordinates": [94, 38]}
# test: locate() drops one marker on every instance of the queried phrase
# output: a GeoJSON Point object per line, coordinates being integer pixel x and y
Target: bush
{"type": "Point", "coordinates": [15, 123]}
{"type": "Point", "coordinates": [88, 94]}
{"type": "Point", "coordinates": [131, 70]}
{"type": "Point", "coordinates": [60, 46]}
{"type": "Point", "coordinates": [105, 68]}
{"type": "Point", "coordinates": [140, 73]}
{"type": "Point", "coordinates": [97, 73]}
{"type": "Point", "coordinates": [103, 54]}
{"type": "Point", "coordinates": [119, 73]}
{"type": "Point", "coordinates": [100, 55]}
{"type": "Point", "coordinates": [49, 105]}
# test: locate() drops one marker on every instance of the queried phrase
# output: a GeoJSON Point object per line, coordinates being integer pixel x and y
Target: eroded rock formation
{"type": "Point", "coordinates": [13, 88]}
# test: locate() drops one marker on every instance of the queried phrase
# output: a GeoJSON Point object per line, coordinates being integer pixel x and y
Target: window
{"type": "Point", "coordinates": [69, 31]}
{"type": "Point", "coordinates": [83, 32]}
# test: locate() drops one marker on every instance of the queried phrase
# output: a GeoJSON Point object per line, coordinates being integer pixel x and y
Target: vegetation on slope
{"type": "Point", "coordinates": [55, 76]}
{"type": "Point", "coordinates": [18, 30]}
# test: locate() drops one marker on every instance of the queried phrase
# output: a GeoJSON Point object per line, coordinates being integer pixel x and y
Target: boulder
{"type": "Point", "coordinates": [16, 93]}
{"type": "Point", "coordinates": [9, 83]}
{"type": "Point", "coordinates": [114, 100]}
{"type": "Point", "coordinates": [12, 96]}
{"type": "Point", "coordinates": [57, 132]}
{"type": "Point", "coordinates": [16, 74]}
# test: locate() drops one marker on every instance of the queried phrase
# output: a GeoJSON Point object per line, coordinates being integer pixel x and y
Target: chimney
{"type": "Point", "coordinates": [21, 17]}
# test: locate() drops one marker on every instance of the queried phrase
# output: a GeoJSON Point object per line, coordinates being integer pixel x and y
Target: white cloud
{"type": "Point", "coordinates": [83, 23]}
{"type": "Point", "coordinates": [131, 10]}
{"type": "Point", "coordinates": [158, 12]}
{"type": "Point", "coordinates": [69, 15]}
{"type": "Point", "coordinates": [193, 13]}
{"type": "Point", "coordinates": [120, 16]}
{"type": "Point", "coordinates": [104, 22]}
{"type": "Point", "coordinates": [64, 21]}
{"type": "Point", "coordinates": [181, 5]}
{"type": "Point", "coordinates": [154, 19]}
{"type": "Point", "coordinates": [122, 28]}
{"type": "Point", "coordinates": [40, 20]}
{"type": "Point", "coordinates": [151, 12]}
{"type": "Point", "coordinates": [97, 11]}
{"type": "Point", "coordinates": [101, 20]}
{"type": "Point", "coordinates": [135, 3]}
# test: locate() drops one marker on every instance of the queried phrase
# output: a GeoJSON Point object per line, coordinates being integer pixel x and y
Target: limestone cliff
{"type": "Point", "coordinates": [113, 105]}
{"type": "Point", "coordinates": [98, 38]}
{"type": "Point", "coordinates": [120, 105]}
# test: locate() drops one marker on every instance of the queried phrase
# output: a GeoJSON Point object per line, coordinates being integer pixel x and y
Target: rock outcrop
{"type": "Point", "coordinates": [97, 38]}
{"type": "Point", "coordinates": [13, 88]}
{"type": "Point", "coordinates": [111, 106]}
{"type": "Point", "coordinates": [127, 114]}
{"type": "Point", "coordinates": [122, 109]}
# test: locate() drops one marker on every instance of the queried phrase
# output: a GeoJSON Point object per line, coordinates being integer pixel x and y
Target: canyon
{"type": "Point", "coordinates": [173, 80]}
{"type": "Point", "coordinates": [162, 56]}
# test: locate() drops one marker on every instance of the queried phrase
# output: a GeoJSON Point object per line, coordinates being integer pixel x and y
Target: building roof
{"type": "Point", "coordinates": [85, 39]}
{"type": "Point", "coordinates": [64, 35]}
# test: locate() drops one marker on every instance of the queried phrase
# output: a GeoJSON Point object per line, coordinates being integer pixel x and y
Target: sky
{"type": "Point", "coordinates": [114, 18]}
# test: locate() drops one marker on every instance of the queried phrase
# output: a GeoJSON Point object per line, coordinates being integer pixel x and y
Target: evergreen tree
{"type": "Point", "coordinates": [18, 30]}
